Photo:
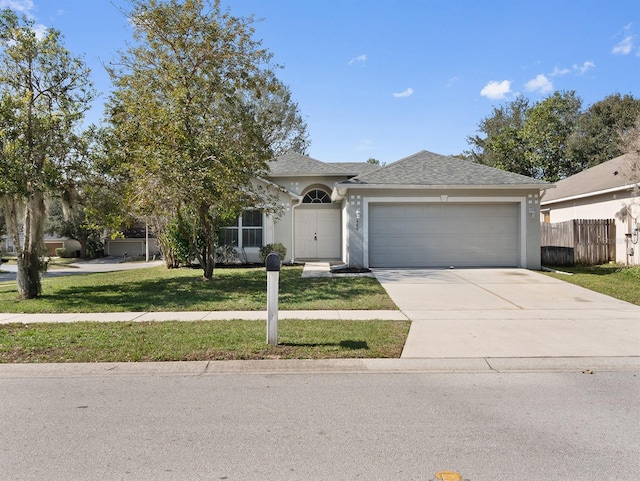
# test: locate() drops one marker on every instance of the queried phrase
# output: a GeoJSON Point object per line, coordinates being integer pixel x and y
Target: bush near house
{"type": "Point", "coordinates": [278, 248]}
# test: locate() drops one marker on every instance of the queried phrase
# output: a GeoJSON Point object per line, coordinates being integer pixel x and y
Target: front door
{"type": "Point", "coordinates": [317, 234]}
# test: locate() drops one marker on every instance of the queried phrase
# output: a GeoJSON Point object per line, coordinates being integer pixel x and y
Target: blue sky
{"type": "Point", "coordinates": [387, 78]}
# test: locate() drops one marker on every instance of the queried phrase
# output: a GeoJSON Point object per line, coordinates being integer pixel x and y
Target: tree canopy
{"type": "Point", "coordinates": [44, 92]}
{"type": "Point", "coordinates": [197, 113]}
{"type": "Point", "coordinates": [552, 138]}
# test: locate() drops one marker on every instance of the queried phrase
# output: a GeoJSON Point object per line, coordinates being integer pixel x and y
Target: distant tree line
{"type": "Point", "coordinates": [554, 138]}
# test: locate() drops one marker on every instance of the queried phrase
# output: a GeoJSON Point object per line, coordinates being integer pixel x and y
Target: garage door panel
{"type": "Point", "coordinates": [423, 235]}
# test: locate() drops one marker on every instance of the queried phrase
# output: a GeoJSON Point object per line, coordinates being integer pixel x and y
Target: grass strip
{"type": "Point", "coordinates": [161, 289]}
{"type": "Point", "coordinates": [199, 340]}
{"type": "Point", "coordinates": [621, 282]}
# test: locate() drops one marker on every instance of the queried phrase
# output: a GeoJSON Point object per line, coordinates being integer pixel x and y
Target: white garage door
{"type": "Point", "coordinates": [434, 235]}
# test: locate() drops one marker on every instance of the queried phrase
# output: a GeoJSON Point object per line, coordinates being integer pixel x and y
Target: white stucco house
{"type": "Point", "coordinates": [610, 190]}
{"type": "Point", "coordinates": [426, 210]}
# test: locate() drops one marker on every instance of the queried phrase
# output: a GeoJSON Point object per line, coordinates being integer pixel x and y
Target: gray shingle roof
{"type": "Point", "coordinates": [293, 164]}
{"type": "Point", "coordinates": [429, 169]}
{"type": "Point", "coordinates": [614, 173]}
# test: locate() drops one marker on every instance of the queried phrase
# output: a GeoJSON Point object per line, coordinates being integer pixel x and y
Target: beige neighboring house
{"type": "Point", "coordinates": [135, 243]}
{"type": "Point", "coordinates": [610, 190]}
{"type": "Point", "coordinates": [51, 243]}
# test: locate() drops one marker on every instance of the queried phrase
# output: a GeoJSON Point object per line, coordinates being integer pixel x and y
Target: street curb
{"type": "Point", "coordinates": [587, 365]}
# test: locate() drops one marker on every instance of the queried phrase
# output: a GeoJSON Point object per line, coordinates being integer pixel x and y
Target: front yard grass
{"type": "Point", "coordinates": [200, 340]}
{"type": "Point", "coordinates": [614, 280]}
{"type": "Point", "coordinates": [160, 289]}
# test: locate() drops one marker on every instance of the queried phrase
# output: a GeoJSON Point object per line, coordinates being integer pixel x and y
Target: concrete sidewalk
{"type": "Point", "coordinates": [8, 318]}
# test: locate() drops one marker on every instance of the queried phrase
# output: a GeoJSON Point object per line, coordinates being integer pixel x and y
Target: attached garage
{"type": "Point", "coordinates": [444, 234]}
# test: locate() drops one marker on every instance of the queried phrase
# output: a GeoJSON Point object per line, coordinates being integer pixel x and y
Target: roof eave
{"type": "Point", "coordinates": [590, 194]}
{"type": "Point", "coordinates": [446, 186]}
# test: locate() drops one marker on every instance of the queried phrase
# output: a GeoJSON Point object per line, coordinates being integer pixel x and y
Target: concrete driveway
{"type": "Point", "coordinates": [470, 313]}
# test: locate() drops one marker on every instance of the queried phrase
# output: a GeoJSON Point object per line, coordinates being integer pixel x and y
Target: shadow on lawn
{"type": "Point", "coordinates": [349, 345]}
{"type": "Point", "coordinates": [171, 293]}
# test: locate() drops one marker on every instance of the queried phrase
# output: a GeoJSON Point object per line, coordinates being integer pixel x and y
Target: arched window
{"type": "Point", "coordinates": [316, 196]}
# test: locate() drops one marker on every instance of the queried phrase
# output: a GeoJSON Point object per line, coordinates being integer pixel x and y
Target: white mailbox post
{"type": "Point", "coordinates": [273, 278]}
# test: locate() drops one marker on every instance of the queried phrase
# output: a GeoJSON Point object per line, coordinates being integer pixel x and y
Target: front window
{"type": "Point", "coordinates": [316, 196]}
{"type": "Point", "coordinates": [246, 230]}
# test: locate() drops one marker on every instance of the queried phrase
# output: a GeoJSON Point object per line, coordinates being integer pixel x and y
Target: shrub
{"type": "Point", "coordinates": [278, 248]}
{"type": "Point", "coordinates": [61, 252]}
{"type": "Point", "coordinates": [226, 254]}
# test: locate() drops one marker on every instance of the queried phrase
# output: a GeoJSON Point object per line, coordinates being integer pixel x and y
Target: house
{"type": "Point", "coordinates": [426, 210]}
{"type": "Point", "coordinates": [51, 243]}
{"type": "Point", "coordinates": [136, 241]}
{"type": "Point", "coordinates": [610, 190]}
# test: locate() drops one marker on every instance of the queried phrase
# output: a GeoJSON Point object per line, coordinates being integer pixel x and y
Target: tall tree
{"type": "Point", "coordinates": [595, 137]}
{"type": "Point", "coordinates": [546, 131]}
{"type": "Point", "coordinates": [198, 112]}
{"type": "Point", "coordinates": [44, 91]}
{"type": "Point", "coordinates": [502, 145]}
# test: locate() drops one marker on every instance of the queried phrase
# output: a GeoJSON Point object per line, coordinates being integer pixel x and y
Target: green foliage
{"type": "Point", "coordinates": [181, 252]}
{"type": "Point", "coordinates": [553, 138]}
{"type": "Point", "coordinates": [226, 254]}
{"type": "Point", "coordinates": [546, 132]}
{"type": "Point", "coordinates": [278, 248]}
{"type": "Point", "coordinates": [44, 91]}
{"type": "Point", "coordinates": [503, 146]}
{"type": "Point", "coordinates": [61, 252]}
{"type": "Point", "coordinates": [596, 136]}
{"type": "Point", "coordinates": [196, 114]}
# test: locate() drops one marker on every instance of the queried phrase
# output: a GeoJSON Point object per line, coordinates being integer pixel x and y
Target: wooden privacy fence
{"type": "Point", "coordinates": [578, 241]}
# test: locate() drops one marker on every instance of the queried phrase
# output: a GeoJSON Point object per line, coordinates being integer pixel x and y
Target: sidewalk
{"type": "Point", "coordinates": [8, 318]}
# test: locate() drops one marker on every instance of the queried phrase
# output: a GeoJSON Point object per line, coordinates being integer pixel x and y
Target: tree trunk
{"type": "Point", "coordinates": [29, 262]}
{"type": "Point", "coordinates": [208, 260]}
{"type": "Point", "coordinates": [29, 282]}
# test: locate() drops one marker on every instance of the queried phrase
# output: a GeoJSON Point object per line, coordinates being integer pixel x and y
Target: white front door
{"type": "Point", "coordinates": [317, 234]}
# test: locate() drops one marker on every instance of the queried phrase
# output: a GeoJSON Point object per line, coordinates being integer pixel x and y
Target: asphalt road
{"type": "Point", "coordinates": [322, 426]}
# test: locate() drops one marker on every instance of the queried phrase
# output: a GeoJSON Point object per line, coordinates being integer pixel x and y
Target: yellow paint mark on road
{"type": "Point", "coordinates": [448, 476]}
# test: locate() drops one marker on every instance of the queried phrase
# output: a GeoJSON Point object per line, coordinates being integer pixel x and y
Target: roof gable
{"type": "Point", "coordinates": [294, 164]}
{"type": "Point", "coordinates": [618, 172]}
{"type": "Point", "coordinates": [429, 169]}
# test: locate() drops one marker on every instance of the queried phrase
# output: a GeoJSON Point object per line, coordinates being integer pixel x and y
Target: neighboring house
{"type": "Point", "coordinates": [606, 191]}
{"type": "Point", "coordinates": [51, 243]}
{"type": "Point", "coordinates": [133, 244]}
{"type": "Point", "coordinates": [426, 210]}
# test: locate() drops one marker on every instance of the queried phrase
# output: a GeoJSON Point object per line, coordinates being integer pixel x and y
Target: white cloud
{"type": "Point", "coordinates": [539, 84]}
{"type": "Point", "coordinates": [496, 90]}
{"type": "Point", "coordinates": [359, 59]}
{"type": "Point", "coordinates": [626, 45]}
{"type": "Point", "coordinates": [406, 93]}
{"type": "Point", "coordinates": [584, 67]}
{"type": "Point", "coordinates": [17, 5]}
{"type": "Point", "coordinates": [452, 81]}
{"type": "Point", "coordinates": [41, 31]}
{"type": "Point", "coordinates": [559, 71]}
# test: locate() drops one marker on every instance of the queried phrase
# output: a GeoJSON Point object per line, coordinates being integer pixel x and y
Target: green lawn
{"type": "Point", "coordinates": [201, 340]}
{"type": "Point", "coordinates": [161, 289]}
{"type": "Point", "coordinates": [611, 279]}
